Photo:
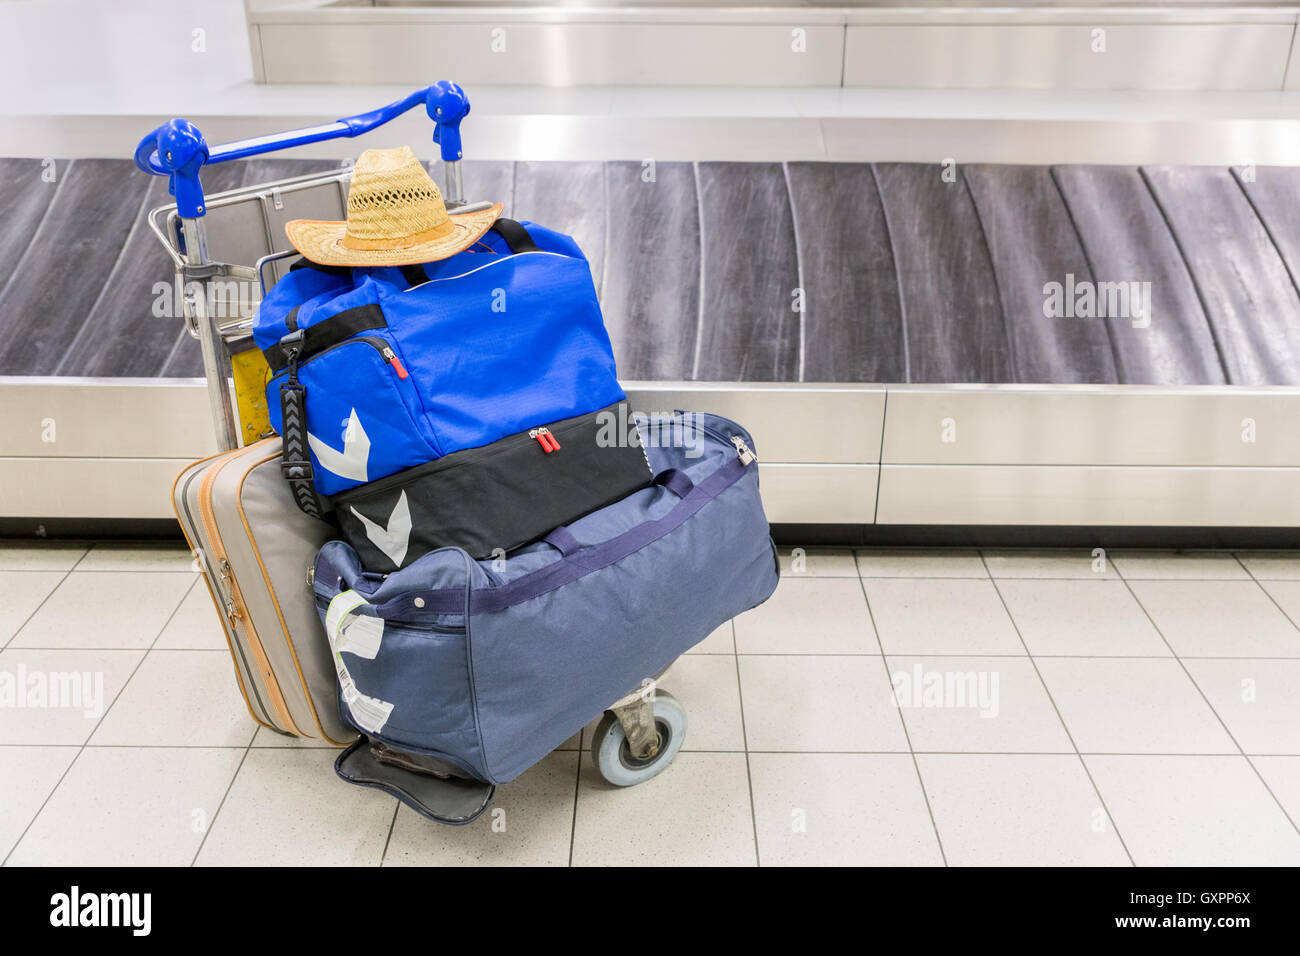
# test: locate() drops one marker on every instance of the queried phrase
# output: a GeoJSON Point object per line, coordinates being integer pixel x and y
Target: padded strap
{"type": "Point", "coordinates": [296, 460]}
{"type": "Point", "coordinates": [678, 482]}
{"type": "Point", "coordinates": [515, 235]}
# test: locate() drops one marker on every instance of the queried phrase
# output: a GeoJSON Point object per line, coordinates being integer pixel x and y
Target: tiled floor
{"type": "Point", "coordinates": [885, 707]}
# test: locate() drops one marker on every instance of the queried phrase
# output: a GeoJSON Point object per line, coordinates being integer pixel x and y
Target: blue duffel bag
{"type": "Point", "coordinates": [491, 665]}
{"type": "Point", "coordinates": [384, 369]}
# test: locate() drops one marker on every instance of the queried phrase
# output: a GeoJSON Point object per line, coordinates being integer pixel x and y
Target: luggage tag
{"type": "Point", "coordinates": [361, 635]}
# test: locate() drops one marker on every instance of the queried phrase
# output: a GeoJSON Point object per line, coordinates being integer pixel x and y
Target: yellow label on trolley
{"type": "Point", "coordinates": [251, 374]}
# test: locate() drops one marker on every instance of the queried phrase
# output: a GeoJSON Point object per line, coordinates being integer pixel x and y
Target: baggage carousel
{"type": "Point", "coordinates": [923, 352]}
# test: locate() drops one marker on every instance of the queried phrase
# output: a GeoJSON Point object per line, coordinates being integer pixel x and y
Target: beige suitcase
{"type": "Point", "coordinates": [256, 548]}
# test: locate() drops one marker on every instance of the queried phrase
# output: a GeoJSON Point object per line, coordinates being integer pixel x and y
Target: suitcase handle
{"type": "Point", "coordinates": [178, 150]}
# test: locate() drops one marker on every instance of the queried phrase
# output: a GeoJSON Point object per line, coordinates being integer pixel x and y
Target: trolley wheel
{"type": "Point", "coordinates": [613, 757]}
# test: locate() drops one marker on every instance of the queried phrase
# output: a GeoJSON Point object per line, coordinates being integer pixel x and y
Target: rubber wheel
{"type": "Point", "coordinates": [613, 757]}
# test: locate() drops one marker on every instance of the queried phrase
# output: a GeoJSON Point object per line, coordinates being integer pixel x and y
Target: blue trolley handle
{"type": "Point", "coordinates": [178, 150]}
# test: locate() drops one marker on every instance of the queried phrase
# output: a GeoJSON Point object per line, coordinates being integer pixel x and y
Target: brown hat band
{"type": "Point", "coordinates": [443, 228]}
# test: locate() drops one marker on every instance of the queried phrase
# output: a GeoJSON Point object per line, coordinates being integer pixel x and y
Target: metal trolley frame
{"type": "Point", "coordinates": [233, 243]}
{"type": "Point", "coordinates": [226, 247]}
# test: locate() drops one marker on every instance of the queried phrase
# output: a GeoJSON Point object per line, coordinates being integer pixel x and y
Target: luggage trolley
{"type": "Point", "coordinates": [228, 249]}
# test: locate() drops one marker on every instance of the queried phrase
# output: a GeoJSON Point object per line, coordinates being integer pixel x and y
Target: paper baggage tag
{"type": "Point", "coordinates": [370, 713]}
{"type": "Point", "coordinates": [360, 635]}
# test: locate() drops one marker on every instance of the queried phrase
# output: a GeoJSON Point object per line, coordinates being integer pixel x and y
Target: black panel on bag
{"type": "Point", "coordinates": [496, 497]}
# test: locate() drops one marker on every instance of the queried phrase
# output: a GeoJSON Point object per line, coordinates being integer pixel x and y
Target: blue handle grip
{"type": "Point", "coordinates": [177, 149]}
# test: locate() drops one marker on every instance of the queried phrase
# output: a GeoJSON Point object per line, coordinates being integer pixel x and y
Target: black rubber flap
{"type": "Point", "coordinates": [452, 800]}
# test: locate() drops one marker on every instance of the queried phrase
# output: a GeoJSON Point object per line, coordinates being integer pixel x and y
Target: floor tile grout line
{"type": "Point", "coordinates": [1064, 726]}
{"type": "Point", "coordinates": [1025, 577]}
{"type": "Point", "coordinates": [177, 570]}
{"type": "Point", "coordinates": [98, 723]}
{"type": "Point", "coordinates": [706, 750]}
{"type": "Point", "coordinates": [397, 808]}
{"type": "Point", "coordinates": [1267, 593]}
{"type": "Point", "coordinates": [1082, 657]}
{"type": "Point", "coordinates": [92, 545]}
{"type": "Point", "coordinates": [184, 570]}
{"type": "Point", "coordinates": [160, 650]}
{"type": "Point", "coordinates": [902, 722]}
{"type": "Point", "coordinates": [577, 793]}
{"type": "Point", "coordinates": [36, 610]}
{"type": "Point", "coordinates": [1249, 761]}
{"type": "Point", "coordinates": [744, 742]}
{"type": "Point", "coordinates": [1091, 576]}
{"type": "Point", "coordinates": [230, 785]}
{"type": "Point", "coordinates": [1208, 703]}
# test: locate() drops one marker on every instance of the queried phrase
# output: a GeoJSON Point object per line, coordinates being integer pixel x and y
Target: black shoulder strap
{"type": "Point", "coordinates": [325, 334]}
{"type": "Point", "coordinates": [305, 263]}
{"type": "Point", "coordinates": [515, 235]}
{"type": "Point", "coordinates": [414, 275]}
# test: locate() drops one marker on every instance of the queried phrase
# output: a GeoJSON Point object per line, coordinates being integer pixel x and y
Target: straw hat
{"type": "Point", "coordinates": [396, 217]}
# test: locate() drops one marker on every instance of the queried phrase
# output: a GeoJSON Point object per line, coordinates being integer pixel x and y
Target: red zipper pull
{"type": "Point", "coordinates": [545, 439]}
{"type": "Point", "coordinates": [391, 357]}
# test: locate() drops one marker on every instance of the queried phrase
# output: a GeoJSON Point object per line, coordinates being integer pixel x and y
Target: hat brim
{"type": "Point", "coordinates": [321, 241]}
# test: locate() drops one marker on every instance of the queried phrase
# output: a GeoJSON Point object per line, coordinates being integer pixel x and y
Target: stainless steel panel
{"type": "Point", "coordinates": [1074, 134]}
{"type": "Point", "coordinates": [1085, 425]}
{"type": "Point", "coordinates": [88, 487]}
{"type": "Point", "coordinates": [508, 50]}
{"type": "Point", "coordinates": [104, 418]}
{"type": "Point", "coordinates": [790, 423]}
{"type": "Point", "coordinates": [1079, 139]}
{"type": "Point", "coordinates": [1022, 454]}
{"type": "Point", "coordinates": [1066, 495]}
{"type": "Point", "coordinates": [819, 494]}
{"type": "Point", "coordinates": [167, 418]}
{"type": "Point", "coordinates": [1168, 56]}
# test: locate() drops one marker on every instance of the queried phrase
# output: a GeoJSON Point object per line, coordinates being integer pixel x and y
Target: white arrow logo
{"type": "Point", "coordinates": [396, 538]}
{"type": "Point", "coordinates": [351, 462]}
